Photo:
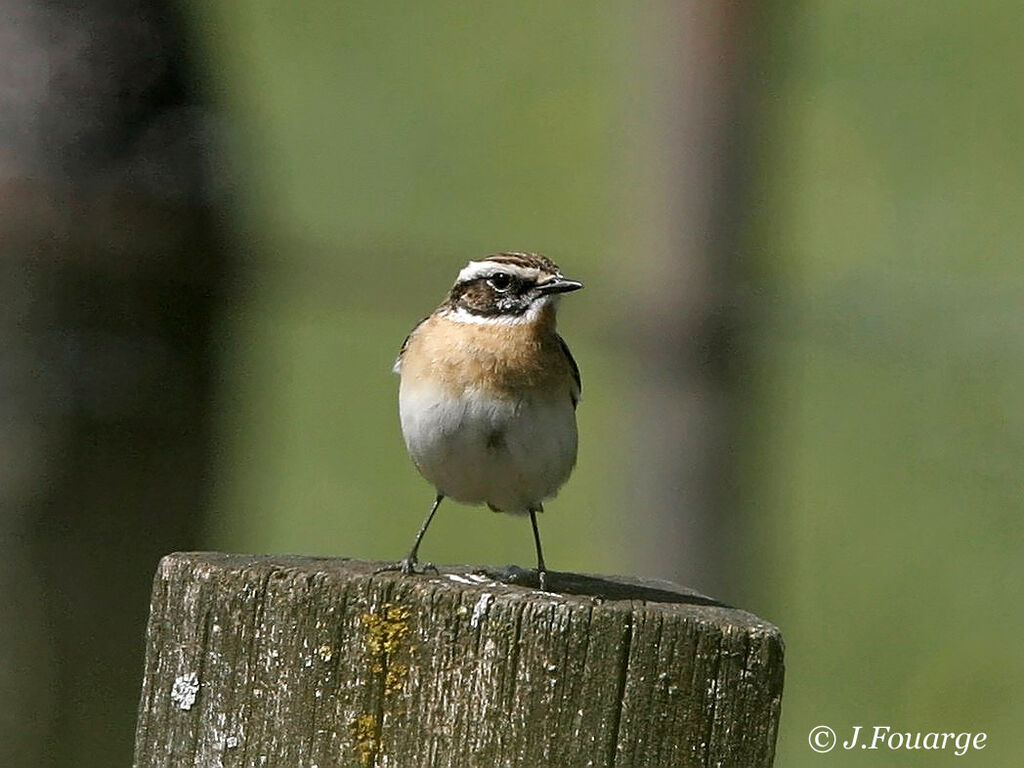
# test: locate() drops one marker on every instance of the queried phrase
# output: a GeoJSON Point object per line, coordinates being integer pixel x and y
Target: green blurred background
{"type": "Point", "coordinates": [802, 336]}
{"type": "Point", "coordinates": [880, 428]}
{"type": "Point", "coordinates": [385, 145]}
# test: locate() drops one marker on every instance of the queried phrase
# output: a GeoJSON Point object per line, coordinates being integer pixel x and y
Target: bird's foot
{"type": "Point", "coordinates": [407, 566]}
{"type": "Point", "coordinates": [523, 577]}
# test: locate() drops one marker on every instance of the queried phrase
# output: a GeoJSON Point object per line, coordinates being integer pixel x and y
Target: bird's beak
{"type": "Point", "coordinates": [559, 285]}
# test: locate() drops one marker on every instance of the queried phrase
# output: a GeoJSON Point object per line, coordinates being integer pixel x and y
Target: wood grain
{"type": "Point", "coordinates": [288, 661]}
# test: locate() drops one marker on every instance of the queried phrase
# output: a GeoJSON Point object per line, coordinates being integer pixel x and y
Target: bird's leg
{"type": "Point", "coordinates": [407, 564]}
{"type": "Point", "coordinates": [542, 571]}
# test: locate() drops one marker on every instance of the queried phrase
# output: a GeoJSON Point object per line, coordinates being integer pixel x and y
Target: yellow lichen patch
{"type": "Point", "coordinates": [364, 732]}
{"type": "Point", "coordinates": [385, 632]}
{"type": "Point", "coordinates": [395, 677]}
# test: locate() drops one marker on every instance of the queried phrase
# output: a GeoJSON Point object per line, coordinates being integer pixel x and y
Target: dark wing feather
{"type": "Point", "coordinates": [397, 367]}
{"type": "Point", "coordinates": [575, 372]}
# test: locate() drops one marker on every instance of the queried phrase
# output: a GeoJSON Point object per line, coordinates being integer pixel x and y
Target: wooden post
{"type": "Point", "coordinates": [289, 661]}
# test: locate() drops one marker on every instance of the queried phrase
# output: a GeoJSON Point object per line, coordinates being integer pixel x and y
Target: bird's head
{"type": "Point", "coordinates": [507, 287]}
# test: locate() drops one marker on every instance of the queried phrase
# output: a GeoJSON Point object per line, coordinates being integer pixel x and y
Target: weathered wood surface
{"type": "Point", "coordinates": [289, 661]}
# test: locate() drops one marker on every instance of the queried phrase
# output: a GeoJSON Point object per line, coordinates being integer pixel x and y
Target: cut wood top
{"type": "Point", "coordinates": [564, 587]}
{"type": "Point", "coordinates": [281, 660]}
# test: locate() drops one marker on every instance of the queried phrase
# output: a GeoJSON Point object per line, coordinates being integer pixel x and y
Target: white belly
{"type": "Point", "coordinates": [482, 450]}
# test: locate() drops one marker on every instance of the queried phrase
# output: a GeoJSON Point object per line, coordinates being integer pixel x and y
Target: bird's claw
{"type": "Point", "coordinates": [407, 566]}
{"type": "Point", "coordinates": [523, 577]}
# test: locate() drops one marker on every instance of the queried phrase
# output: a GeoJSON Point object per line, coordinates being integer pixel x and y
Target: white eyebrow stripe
{"type": "Point", "coordinates": [476, 269]}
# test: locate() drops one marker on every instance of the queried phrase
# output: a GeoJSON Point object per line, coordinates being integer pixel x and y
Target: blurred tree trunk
{"type": "Point", "coordinates": [110, 280]}
{"type": "Point", "coordinates": [686, 289]}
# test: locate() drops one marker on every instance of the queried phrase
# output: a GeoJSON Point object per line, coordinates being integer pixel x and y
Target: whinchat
{"type": "Point", "coordinates": [489, 390]}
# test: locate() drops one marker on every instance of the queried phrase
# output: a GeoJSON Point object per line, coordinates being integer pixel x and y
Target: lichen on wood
{"type": "Point", "coordinates": [303, 662]}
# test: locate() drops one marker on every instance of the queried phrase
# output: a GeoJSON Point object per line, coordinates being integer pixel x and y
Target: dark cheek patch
{"type": "Point", "coordinates": [476, 298]}
{"type": "Point", "coordinates": [480, 299]}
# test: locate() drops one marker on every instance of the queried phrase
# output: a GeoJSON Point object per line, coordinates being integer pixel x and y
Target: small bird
{"type": "Point", "coordinates": [489, 390]}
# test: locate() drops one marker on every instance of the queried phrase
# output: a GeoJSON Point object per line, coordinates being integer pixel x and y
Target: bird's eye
{"type": "Point", "coordinates": [500, 281]}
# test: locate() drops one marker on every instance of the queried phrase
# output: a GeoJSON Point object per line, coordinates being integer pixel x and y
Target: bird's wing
{"type": "Point", "coordinates": [397, 367]}
{"type": "Point", "coordinates": [578, 389]}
